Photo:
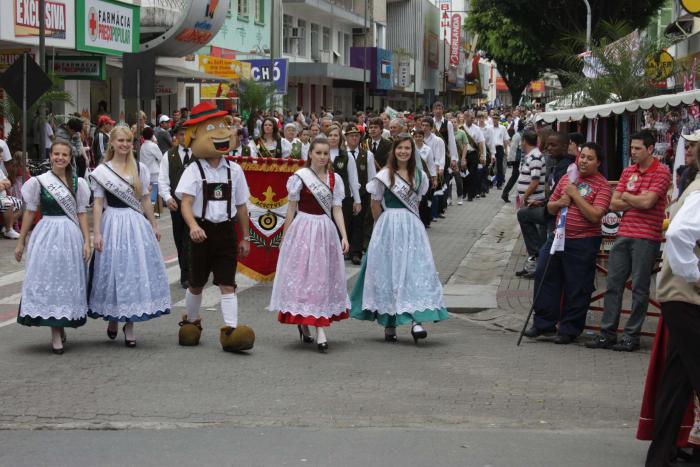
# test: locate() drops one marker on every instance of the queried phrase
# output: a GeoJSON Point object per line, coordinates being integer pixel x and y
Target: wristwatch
{"type": "Point", "coordinates": [246, 238]}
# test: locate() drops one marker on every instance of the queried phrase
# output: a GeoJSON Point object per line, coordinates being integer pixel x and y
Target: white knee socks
{"type": "Point", "coordinates": [229, 308]}
{"type": "Point", "coordinates": [320, 336]}
{"type": "Point", "coordinates": [192, 303]}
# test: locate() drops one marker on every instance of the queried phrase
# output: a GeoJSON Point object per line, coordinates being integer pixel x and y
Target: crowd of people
{"type": "Point", "coordinates": [370, 187]}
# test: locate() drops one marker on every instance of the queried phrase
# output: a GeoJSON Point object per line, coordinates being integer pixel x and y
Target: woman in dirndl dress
{"type": "Point", "coordinates": [310, 284]}
{"type": "Point", "coordinates": [398, 283]}
{"type": "Point", "coordinates": [128, 282]}
{"type": "Point", "coordinates": [54, 288]}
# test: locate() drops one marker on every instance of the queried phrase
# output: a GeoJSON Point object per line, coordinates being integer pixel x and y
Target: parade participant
{"type": "Point", "coordinates": [150, 155]}
{"type": "Point", "coordinates": [641, 194]}
{"type": "Point", "coordinates": [100, 142]}
{"type": "Point", "coordinates": [360, 225]}
{"type": "Point", "coordinates": [290, 134]}
{"type": "Point", "coordinates": [398, 283]}
{"type": "Point", "coordinates": [305, 138]}
{"type": "Point", "coordinates": [500, 142]}
{"type": "Point", "coordinates": [54, 288]}
{"type": "Point", "coordinates": [128, 282]}
{"type": "Point", "coordinates": [379, 145]}
{"type": "Point", "coordinates": [426, 155]}
{"type": "Point", "coordinates": [571, 272]}
{"type": "Point", "coordinates": [445, 130]}
{"type": "Point", "coordinates": [314, 131]}
{"type": "Point", "coordinates": [214, 193]}
{"type": "Point", "coordinates": [677, 290]}
{"type": "Point", "coordinates": [310, 284]}
{"type": "Point", "coordinates": [346, 167]}
{"type": "Point", "coordinates": [437, 147]}
{"type": "Point", "coordinates": [239, 148]}
{"type": "Point", "coordinates": [171, 167]}
{"type": "Point", "coordinates": [476, 155]}
{"type": "Point", "coordinates": [270, 144]}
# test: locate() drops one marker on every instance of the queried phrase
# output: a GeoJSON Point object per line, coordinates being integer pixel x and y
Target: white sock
{"type": "Point", "coordinates": [229, 308]}
{"type": "Point", "coordinates": [320, 336]}
{"type": "Point", "coordinates": [192, 303]}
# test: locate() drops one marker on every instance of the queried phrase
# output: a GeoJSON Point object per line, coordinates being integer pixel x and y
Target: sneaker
{"type": "Point", "coordinates": [12, 234]}
{"type": "Point", "coordinates": [460, 202]}
{"type": "Point", "coordinates": [626, 345]}
{"type": "Point", "coordinates": [601, 342]}
{"type": "Point", "coordinates": [449, 201]}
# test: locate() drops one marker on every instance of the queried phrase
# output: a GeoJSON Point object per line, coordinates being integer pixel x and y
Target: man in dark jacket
{"type": "Point", "coordinates": [70, 132]}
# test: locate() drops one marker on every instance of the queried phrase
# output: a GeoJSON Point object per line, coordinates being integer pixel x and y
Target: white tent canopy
{"type": "Point", "coordinates": [605, 110]}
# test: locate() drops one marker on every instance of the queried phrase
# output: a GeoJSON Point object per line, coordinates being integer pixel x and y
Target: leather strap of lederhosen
{"type": "Point", "coordinates": [205, 191]}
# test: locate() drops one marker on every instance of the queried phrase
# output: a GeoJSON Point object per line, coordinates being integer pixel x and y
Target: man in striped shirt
{"type": "Point", "coordinates": [532, 200]}
{"type": "Point", "coordinates": [641, 194]}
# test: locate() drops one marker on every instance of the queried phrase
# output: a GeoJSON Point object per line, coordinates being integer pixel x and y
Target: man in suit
{"type": "Point", "coordinates": [379, 146]}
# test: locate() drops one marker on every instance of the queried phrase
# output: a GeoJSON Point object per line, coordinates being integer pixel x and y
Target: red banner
{"type": "Point", "coordinates": [267, 207]}
{"type": "Point", "coordinates": [455, 38]}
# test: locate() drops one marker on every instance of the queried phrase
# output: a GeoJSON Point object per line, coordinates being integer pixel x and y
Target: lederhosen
{"type": "Point", "coordinates": [361, 225]}
{"type": "Point", "coordinates": [340, 166]}
{"type": "Point", "coordinates": [218, 254]}
{"type": "Point", "coordinates": [181, 233]}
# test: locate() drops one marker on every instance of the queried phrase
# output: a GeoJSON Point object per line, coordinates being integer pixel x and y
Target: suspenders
{"type": "Point", "coordinates": [215, 191]}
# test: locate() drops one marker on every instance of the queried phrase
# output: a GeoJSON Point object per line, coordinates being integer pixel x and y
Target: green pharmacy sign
{"type": "Point", "coordinates": [107, 27]}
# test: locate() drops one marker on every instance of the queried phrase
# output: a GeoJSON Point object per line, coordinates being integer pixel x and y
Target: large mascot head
{"type": "Point", "coordinates": [208, 131]}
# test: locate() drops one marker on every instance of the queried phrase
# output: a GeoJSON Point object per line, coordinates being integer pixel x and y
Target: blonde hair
{"type": "Point", "coordinates": [131, 164]}
{"type": "Point", "coordinates": [341, 137]}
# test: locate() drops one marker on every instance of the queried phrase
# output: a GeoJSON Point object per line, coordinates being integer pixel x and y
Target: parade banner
{"type": "Point", "coordinates": [267, 207]}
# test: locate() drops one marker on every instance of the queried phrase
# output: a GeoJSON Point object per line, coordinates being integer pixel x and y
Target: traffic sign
{"type": "Point", "coordinates": [14, 83]}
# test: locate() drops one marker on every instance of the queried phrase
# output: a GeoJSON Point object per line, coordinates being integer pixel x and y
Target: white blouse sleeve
{"type": "Point", "coordinates": [681, 237]}
{"type": "Point", "coordinates": [423, 187]}
{"type": "Point", "coordinates": [83, 195]}
{"type": "Point", "coordinates": [145, 177]}
{"type": "Point", "coordinates": [376, 189]}
{"type": "Point", "coordinates": [294, 185]}
{"type": "Point", "coordinates": [31, 193]}
{"type": "Point", "coordinates": [338, 191]}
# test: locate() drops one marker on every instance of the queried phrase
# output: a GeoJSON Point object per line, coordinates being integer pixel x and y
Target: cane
{"type": "Point", "coordinates": [534, 300]}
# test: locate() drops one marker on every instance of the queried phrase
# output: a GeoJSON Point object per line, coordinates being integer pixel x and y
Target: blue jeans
{"type": "Point", "coordinates": [571, 276]}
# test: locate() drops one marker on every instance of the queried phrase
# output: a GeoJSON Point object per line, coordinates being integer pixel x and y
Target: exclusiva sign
{"type": "Point", "coordinates": [108, 27]}
{"type": "Point", "coordinates": [27, 19]}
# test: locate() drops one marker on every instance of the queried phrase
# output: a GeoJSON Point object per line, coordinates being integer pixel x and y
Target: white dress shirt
{"type": "Point", "coordinates": [500, 136]}
{"type": "Point", "coordinates": [164, 174]}
{"type": "Point", "coordinates": [451, 143]}
{"type": "Point", "coordinates": [353, 181]}
{"type": "Point", "coordinates": [681, 237]}
{"type": "Point", "coordinates": [437, 146]}
{"type": "Point", "coordinates": [427, 155]}
{"type": "Point", "coordinates": [476, 134]}
{"type": "Point", "coordinates": [191, 184]}
{"type": "Point", "coordinates": [371, 166]}
{"type": "Point", "coordinates": [150, 155]}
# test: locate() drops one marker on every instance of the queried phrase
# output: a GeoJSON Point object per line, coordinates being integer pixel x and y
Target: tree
{"type": "Point", "coordinates": [525, 38]}
{"type": "Point", "coordinates": [255, 95]}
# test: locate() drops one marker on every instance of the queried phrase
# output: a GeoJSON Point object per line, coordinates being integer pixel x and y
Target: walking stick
{"type": "Point", "coordinates": [534, 300]}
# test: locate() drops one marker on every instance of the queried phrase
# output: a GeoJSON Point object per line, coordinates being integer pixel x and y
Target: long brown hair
{"type": "Point", "coordinates": [341, 138]}
{"type": "Point", "coordinates": [316, 142]}
{"type": "Point", "coordinates": [69, 167]}
{"type": "Point", "coordinates": [393, 164]}
{"type": "Point", "coordinates": [131, 164]}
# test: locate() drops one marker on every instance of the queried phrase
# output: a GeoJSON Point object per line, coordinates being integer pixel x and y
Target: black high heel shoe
{"type": "Point", "coordinates": [390, 337]}
{"type": "Point", "coordinates": [306, 339]}
{"type": "Point", "coordinates": [418, 334]}
{"type": "Point", "coordinates": [57, 351]}
{"type": "Point", "coordinates": [112, 334]}
{"type": "Point", "coordinates": [323, 347]}
{"type": "Point", "coordinates": [127, 342]}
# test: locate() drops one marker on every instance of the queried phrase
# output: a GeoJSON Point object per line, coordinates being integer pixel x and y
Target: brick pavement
{"type": "Point", "coordinates": [464, 375]}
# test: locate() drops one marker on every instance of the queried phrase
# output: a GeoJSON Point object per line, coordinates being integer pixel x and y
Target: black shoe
{"type": "Point", "coordinates": [528, 275]}
{"type": "Point", "coordinates": [185, 284]}
{"type": "Point", "coordinates": [626, 345]}
{"type": "Point", "coordinates": [441, 216]}
{"type": "Point", "coordinates": [112, 334]}
{"type": "Point", "coordinates": [128, 343]}
{"type": "Point", "coordinates": [505, 198]}
{"type": "Point", "coordinates": [470, 199]}
{"type": "Point", "coordinates": [323, 347]}
{"type": "Point", "coordinates": [306, 339]}
{"type": "Point", "coordinates": [521, 273]}
{"type": "Point", "coordinates": [563, 339]}
{"type": "Point", "coordinates": [356, 260]}
{"type": "Point", "coordinates": [534, 332]}
{"type": "Point", "coordinates": [57, 351]}
{"type": "Point", "coordinates": [418, 334]}
{"type": "Point", "coordinates": [390, 337]}
{"type": "Point", "coordinates": [601, 342]}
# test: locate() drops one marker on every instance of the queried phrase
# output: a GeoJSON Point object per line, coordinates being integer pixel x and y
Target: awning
{"type": "Point", "coordinates": [173, 71]}
{"type": "Point", "coordinates": [617, 108]}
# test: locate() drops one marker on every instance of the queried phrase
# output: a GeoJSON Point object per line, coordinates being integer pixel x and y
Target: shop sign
{"type": "Point", "coordinates": [270, 70]}
{"type": "Point", "coordinates": [404, 78]}
{"type": "Point", "coordinates": [455, 38]}
{"type": "Point", "coordinates": [217, 91]}
{"type": "Point", "coordinates": [19, 22]}
{"type": "Point", "coordinates": [107, 27]}
{"type": "Point", "coordinates": [78, 66]}
{"type": "Point", "coordinates": [166, 86]}
{"type": "Point", "coordinates": [9, 56]}
{"type": "Point", "coordinates": [222, 67]}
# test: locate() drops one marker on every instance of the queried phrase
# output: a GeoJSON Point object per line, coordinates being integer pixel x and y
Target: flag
{"type": "Point", "coordinates": [560, 231]}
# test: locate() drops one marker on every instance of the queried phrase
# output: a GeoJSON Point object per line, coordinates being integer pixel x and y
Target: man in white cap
{"type": "Point", "coordinates": [162, 133]}
{"type": "Point", "coordinates": [686, 170]}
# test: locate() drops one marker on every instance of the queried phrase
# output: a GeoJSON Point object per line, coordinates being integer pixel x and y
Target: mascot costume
{"type": "Point", "coordinates": [214, 192]}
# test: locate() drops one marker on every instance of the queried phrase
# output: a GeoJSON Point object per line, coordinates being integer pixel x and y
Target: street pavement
{"type": "Point", "coordinates": [467, 396]}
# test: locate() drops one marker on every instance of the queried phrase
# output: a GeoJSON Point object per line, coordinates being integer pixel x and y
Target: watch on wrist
{"type": "Point", "coordinates": [246, 238]}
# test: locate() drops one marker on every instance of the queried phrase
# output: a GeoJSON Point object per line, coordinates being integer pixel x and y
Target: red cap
{"type": "Point", "coordinates": [104, 119]}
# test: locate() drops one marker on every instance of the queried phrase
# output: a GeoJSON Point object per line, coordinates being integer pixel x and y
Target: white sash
{"type": "Point", "coordinates": [60, 192]}
{"type": "Point", "coordinates": [401, 189]}
{"type": "Point", "coordinates": [112, 182]}
{"type": "Point", "coordinates": [322, 192]}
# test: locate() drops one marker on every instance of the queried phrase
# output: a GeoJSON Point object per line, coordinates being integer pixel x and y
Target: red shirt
{"type": "Point", "coordinates": [596, 190]}
{"type": "Point", "coordinates": [644, 223]}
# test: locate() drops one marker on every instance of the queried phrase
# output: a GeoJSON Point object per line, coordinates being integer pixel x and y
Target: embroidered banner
{"type": "Point", "coordinates": [267, 206]}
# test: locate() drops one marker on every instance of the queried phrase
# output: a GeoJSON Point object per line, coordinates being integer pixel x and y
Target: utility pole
{"type": "Point", "coordinates": [364, 61]}
{"type": "Point", "coordinates": [588, 25]}
{"type": "Point", "coordinates": [42, 64]}
{"type": "Point", "coordinates": [415, 54]}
